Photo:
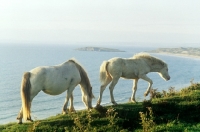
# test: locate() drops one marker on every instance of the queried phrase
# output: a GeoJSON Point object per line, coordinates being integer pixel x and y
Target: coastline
{"type": "Point", "coordinates": [177, 55]}
{"type": "Point", "coordinates": [99, 49]}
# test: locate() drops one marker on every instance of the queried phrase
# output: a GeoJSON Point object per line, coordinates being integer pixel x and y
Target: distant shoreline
{"type": "Point", "coordinates": [178, 55]}
{"type": "Point", "coordinates": [181, 52]}
{"type": "Point", "coordinates": [99, 49]}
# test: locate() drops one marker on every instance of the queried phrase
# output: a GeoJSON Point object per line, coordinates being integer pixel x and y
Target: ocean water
{"type": "Point", "coordinates": [15, 60]}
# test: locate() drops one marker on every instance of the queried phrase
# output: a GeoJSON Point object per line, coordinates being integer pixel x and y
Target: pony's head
{"type": "Point", "coordinates": [87, 94]}
{"type": "Point", "coordinates": [90, 97]}
{"type": "Point", "coordinates": [87, 97]}
{"type": "Point", "coordinates": [164, 73]}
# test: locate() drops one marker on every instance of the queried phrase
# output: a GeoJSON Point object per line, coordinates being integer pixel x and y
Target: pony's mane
{"type": "Point", "coordinates": [149, 57]}
{"type": "Point", "coordinates": [84, 77]}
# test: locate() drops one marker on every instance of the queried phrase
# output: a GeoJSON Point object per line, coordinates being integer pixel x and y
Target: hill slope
{"type": "Point", "coordinates": [167, 111]}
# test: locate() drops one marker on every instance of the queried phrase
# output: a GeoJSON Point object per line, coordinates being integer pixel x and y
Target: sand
{"type": "Point", "coordinates": [179, 55]}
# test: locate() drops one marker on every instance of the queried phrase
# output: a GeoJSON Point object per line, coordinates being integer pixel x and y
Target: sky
{"type": "Point", "coordinates": [132, 22]}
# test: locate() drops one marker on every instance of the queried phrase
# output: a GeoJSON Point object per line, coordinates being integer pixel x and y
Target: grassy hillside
{"type": "Point", "coordinates": [167, 111]}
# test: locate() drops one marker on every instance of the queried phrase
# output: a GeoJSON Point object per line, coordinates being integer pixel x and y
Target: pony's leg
{"type": "Point", "coordinates": [69, 93]}
{"type": "Point", "coordinates": [111, 87]}
{"type": "Point", "coordinates": [71, 107]}
{"type": "Point", "coordinates": [135, 81]}
{"type": "Point", "coordinates": [102, 88]}
{"type": "Point", "coordinates": [20, 116]}
{"type": "Point", "coordinates": [84, 101]}
{"type": "Point", "coordinates": [144, 77]}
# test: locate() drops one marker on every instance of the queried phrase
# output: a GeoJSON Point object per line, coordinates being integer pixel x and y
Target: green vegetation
{"type": "Point", "coordinates": [166, 111]}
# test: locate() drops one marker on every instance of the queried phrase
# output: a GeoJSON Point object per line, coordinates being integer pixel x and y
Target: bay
{"type": "Point", "coordinates": [15, 60]}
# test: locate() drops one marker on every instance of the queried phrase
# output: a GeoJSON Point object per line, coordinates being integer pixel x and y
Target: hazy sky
{"type": "Point", "coordinates": [156, 22]}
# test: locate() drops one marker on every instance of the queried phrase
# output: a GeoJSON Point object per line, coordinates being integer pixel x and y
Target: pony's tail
{"type": "Point", "coordinates": [25, 95]}
{"type": "Point", "coordinates": [104, 72]}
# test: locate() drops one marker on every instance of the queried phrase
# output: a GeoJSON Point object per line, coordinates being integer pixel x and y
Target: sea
{"type": "Point", "coordinates": [17, 59]}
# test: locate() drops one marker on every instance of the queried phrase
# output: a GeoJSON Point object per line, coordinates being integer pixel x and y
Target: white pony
{"type": "Point", "coordinates": [54, 80]}
{"type": "Point", "coordinates": [132, 68]}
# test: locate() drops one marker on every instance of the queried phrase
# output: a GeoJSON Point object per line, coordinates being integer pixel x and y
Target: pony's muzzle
{"type": "Point", "coordinates": [166, 78]}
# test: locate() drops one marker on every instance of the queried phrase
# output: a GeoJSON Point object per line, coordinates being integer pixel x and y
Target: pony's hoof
{"type": "Point", "coordinates": [29, 120]}
{"type": "Point", "coordinates": [114, 103]}
{"type": "Point", "coordinates": [90, 108]}
{"type": "Point", "coordinates": [72, 111]}
{"type": "Point", "coordinates": [20, 122]}
{"type": "Point", "coordinates": [100, 109]}
{"type": "Point", "coordinates": [133, 101]}
{"type": "Point", "coordinates": [97, 106]}
{"type": "Point", "coordinates": [98, 102]}
{"type": "Point", "coordinates": [64, 112]}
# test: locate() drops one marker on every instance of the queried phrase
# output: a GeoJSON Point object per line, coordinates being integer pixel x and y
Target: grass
{"type": "Point", "coordinates": [166, 111]}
